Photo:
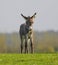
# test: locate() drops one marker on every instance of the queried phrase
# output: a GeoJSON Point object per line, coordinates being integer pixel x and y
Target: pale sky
{"type": "Point", "coordinates": [46, 18]}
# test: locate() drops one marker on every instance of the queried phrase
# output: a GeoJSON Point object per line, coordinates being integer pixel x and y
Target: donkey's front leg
{"type": "Point", "coordinates": [21, 45]}
{"type": "Point", "coordinates": [32, 46]}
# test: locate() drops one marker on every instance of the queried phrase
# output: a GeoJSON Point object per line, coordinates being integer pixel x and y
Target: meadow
{"type": "Point", "coordinates": [29, 59]}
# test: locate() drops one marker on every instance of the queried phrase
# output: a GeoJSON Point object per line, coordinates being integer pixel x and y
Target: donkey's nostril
{"type": "Point", "coordinates": [30, 28]}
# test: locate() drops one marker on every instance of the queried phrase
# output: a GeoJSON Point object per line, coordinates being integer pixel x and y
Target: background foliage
{"type": "Point", "coordinates": [43, 42]}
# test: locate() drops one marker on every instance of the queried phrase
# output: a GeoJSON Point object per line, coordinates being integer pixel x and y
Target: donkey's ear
{"type": "Point", "coordinates": [24, 16]}
{"type": "Point", "coordinates": [33, 15]}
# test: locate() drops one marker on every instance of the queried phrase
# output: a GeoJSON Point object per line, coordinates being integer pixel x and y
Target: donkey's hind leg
{"type": "Point", "coordinates": [26, 45]}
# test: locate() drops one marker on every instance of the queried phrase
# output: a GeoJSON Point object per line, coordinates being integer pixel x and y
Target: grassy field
{"type": "Point", "coordinates": [29, 59]}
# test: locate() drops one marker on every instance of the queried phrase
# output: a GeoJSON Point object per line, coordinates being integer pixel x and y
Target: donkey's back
{"type": "Point", "coordinates": [22, 29]}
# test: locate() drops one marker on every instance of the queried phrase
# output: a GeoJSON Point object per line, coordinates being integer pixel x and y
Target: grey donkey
{"type": "Point", "coordinates": [26, 33]}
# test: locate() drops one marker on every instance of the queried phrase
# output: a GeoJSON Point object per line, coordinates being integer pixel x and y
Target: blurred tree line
{"type": "Point", "coordinates": [43, 42]}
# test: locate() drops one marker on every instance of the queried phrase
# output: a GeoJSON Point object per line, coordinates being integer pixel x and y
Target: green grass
{"type": "Point", "coordinates": [29, 59]}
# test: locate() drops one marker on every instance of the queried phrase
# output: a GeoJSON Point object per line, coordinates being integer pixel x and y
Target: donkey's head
{"type": "Point", "coordinates": [29, 21]}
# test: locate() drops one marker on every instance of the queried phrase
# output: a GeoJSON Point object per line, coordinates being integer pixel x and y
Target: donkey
{"type": "Point", "coordinates": [26, 33]}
